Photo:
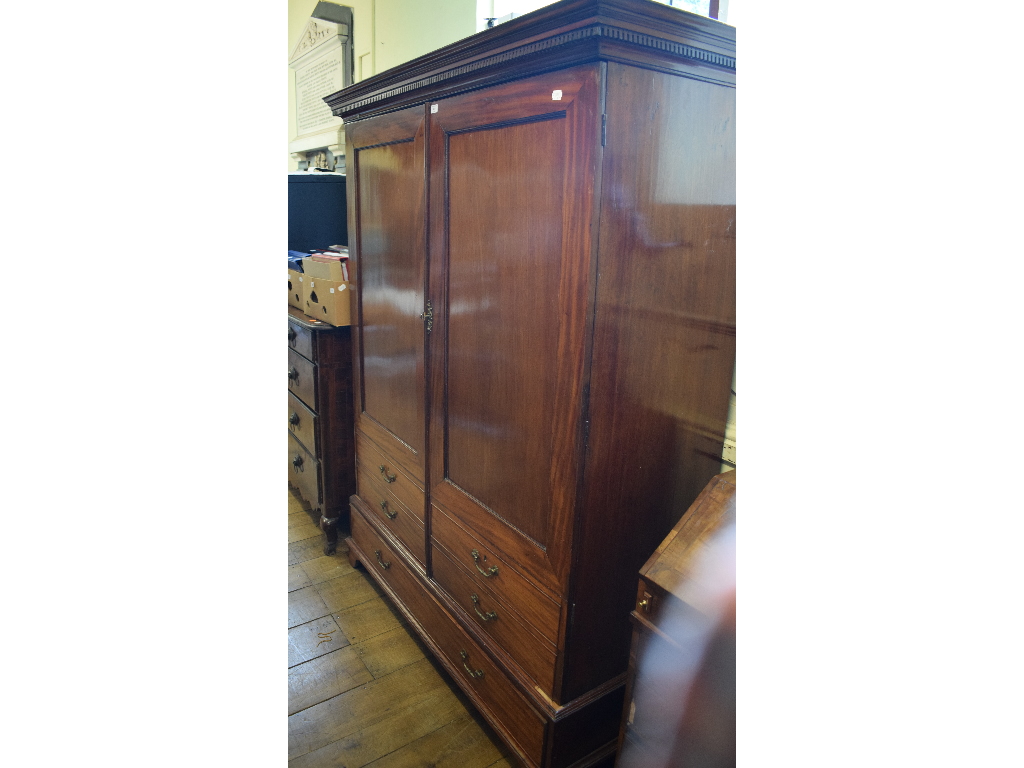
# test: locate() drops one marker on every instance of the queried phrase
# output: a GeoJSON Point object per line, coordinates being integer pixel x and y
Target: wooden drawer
{"type": "Point", "coordinates": [303, 471]}
{"type": "Point", "coordinates": [373, 487]}
{"type": "Point", "coordinates": [508, 584]}
{"type": "Point", "coordinates": [525, 645]}
{"type": "Point", "coordinates": [302, 378]}
{"type": "Point", "coordinates": [302, 423]}
{"type": "Point", "coordinates": [300, 339]}
{"type": "Point", "coordinates": [399, 521]}
{"type": "Point", "coordinates": [374, 470]}
{"type": "Point", "coordinates": [493, 693]}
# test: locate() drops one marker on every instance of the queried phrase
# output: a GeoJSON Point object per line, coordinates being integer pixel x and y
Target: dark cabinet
{"type": "Point", "coordinates": [321, 450]}
{"type": "Point", "coordinates": [542, 221]}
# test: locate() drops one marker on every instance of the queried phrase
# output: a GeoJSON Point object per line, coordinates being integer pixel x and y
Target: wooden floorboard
{"type": "Point", "coordinates": [346, 591]}
{"type": "Point", "coordinates": [305, 605]}
{"type": "Point", "coordinates": [306, 549]}
{"type": "Point", "coordinates": [459, 743]}
{"type": "Point", "coordinates": [362, 689]}
{"type": "Point", "coordinates": [325, 677]}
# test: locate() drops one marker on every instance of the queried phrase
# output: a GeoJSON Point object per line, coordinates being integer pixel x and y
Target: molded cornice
{"type": "Point", "coordinates": [563, 34]}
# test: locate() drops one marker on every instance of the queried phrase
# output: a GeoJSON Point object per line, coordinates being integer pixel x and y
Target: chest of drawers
{"type": "Point", "coordinates": [680, 688]}
{"type": "Point", "coordinates": [321, 454]}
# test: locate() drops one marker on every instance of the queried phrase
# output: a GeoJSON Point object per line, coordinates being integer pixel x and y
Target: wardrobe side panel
{"type": "Point", "coordinates": [664, 343]}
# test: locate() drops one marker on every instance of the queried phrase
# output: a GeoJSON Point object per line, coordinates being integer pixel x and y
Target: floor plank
{"type": "Point", "coordinates": [305, 605]}
{"type": "Point", "coordinates": [346, 591]}
{"type": "Point", "coordinates": [371, 694]}
{"type": "Point", "coordinates": [390, 651]}
{"type": "Point", "coordinates": [383, 737]}
{"type": "Point", "coordinates": [306, 549]}
{"type": "Point", "coordinates": [301, 527]}
{"type": "Point", "coordinates": [369, 619]}
{"type": "Point", "coordinates": [327, 567]}
{"type": "Point", "coordinates": [374, 719]}
{"type": "Point", "coordinates": [307, 641]}
{"type": "Point", "coordinates": [297, 578]}
{"type": "Point", "coordinates": [321, 678]}
{"type": "Point", "coordinates": [459, 744]}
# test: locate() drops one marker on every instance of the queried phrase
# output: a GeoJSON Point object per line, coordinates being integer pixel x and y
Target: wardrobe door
{"type": "Point", "coordinates": [386, 176]}
{"type": "Point", "coordinates": [511, 196]}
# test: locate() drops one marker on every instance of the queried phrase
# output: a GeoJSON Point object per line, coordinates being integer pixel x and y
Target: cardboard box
{"type": "Point", "coordinates": [322, 269]}
{"type": "Point", "coordinates": [295, 290]}
{"type": "Point", "coordinates": [328, 300]}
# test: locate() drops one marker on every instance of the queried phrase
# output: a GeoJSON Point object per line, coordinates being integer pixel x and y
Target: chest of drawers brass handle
{"type": "Point", "coordinates": [293, 373]}
{"type": "Point", "coordinates": [472, 673]}
{"type": "Point", "coordinates": [384, 473]}
{"type": "Point", "coordinates": [297, 462]}
{"type": "Point", "coordinates": [492, 571]}
{"type": "Point", "coordinates": [382, 564]}
{"type": "Point", "coordinates": [291, 334]}
{"type": "Point", "coordinates": [489, 616]}
{"type": "Point", "coordinates": [390, 515]}
{"type": "Point", "coordinates": [293, 418]}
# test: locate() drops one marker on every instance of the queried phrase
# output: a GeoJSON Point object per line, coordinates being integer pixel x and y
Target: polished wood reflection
{"type": "Point", "coordinates": [503, 267]}
{"type": "Point", "coordinates": [664, 334]}
{"type": "Point", "coordinates": [391, 272]}
{"type": "Point", "coordinates": [510, 168]}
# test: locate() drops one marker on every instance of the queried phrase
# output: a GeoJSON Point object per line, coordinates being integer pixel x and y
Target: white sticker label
{"type": "Point", "coordinates": [300, 279]}
{"type": "Point", "coordinates": [332, 290]}
{"type": "Point", "coordinates": [556, 95]}
{"type": "Point", "coordinates": [343, 287]}
{"type": "Point", "coordinates": [433, 109]}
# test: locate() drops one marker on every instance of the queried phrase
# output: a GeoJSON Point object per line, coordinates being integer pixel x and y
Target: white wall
{"type": "Point", "coordinates": [385, 33]}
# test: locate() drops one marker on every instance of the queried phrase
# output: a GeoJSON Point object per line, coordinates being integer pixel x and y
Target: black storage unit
{"type": "Point", "coordinates": [317, 216]}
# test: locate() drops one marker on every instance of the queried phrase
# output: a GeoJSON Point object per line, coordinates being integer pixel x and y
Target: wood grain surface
{"type": "Point", "coordinates": [369, 696]}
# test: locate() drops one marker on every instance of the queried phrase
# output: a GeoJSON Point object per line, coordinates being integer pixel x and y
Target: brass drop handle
{"type": "Point", "coordinates": [297, 461]}
{"type": "Point", "coordinates": [489, 616]}
{"type": "Point", "coordinates": [380, 562]}
{"type": "Point", "coordinates": [384, 473]}
{"type": "Point", "coordinates": [465, 658]}
{"type": "Point", "coordinates": [293, 373]}
{"type": "Point", "coordinates": [389, 515]}
{"type": "Point", "coordinates": [291, 334]}
{"type": "Point", "coordinates": [492, 571]}
{"type": "Point", "coordinates": [293, 418]}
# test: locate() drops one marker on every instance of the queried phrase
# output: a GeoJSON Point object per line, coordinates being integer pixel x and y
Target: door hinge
{"type": "Point", "coordinates": [428, 316]}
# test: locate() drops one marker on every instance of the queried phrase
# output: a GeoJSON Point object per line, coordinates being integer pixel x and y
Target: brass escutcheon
{"type": "Point", "coordinates": [428, 316]}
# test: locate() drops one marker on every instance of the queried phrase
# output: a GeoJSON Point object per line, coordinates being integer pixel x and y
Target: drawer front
{"type": "Point", "coordinates": [489, 570]}
{"type": "Point", "coordinates": [303, 471]}
{"type": "Point", "coordinates": [399, 521]}
{"type": "Point", "coordinates": [532, 652]}
{"type": "Point", "coordinates": [497, 698]}
{"type": "Point", "coordinates": [374, 470]}
{"type": "Point", "coordinates": [302, 378]}
{"type": "Point", "coordinates": [302, 423]}
{"type": "Point", "coordinates": [300, 339]}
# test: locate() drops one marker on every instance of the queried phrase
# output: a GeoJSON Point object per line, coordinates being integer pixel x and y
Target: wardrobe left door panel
{"type": "Point", "coordinates": [386, 172]}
